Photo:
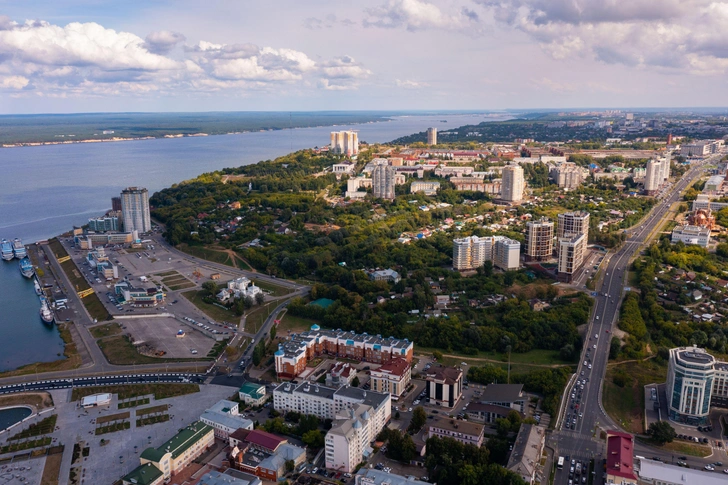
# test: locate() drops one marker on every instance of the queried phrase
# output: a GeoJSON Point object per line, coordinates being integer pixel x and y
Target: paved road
{"type": "Point", "coordinates": [51, 384]}
{"type": "Point", "coordinates": [580, 440]}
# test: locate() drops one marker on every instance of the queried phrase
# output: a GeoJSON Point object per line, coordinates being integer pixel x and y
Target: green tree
{"type": "Point", "coordinates": [437, 355]}
{"type": "Point", "coordinates": [614, 348]}
{"type": "Point", "coordinates": [662, 432]}
{"type": "Point", "coordinates": [259, 298]}
{"type": "Point", "coordinates": [290, 466]}
{"type": "Point", "coordinates": [419, 418]}
{"type": "Point", "coordinates": [314, 439]}
{"type": "Point", "coordinates": [210, 288]}
{"type": "Point", "coordinates": [355, 381]}
{"type": "Point", "coordinates": [273, 332]}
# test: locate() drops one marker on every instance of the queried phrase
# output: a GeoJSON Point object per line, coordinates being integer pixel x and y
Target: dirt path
{"type": "Point", "coordinates": [612, 364]}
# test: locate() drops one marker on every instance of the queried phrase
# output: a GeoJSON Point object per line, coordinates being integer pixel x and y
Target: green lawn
{"type": "Point", "coordinates": [183, 286]}
{"type": "Point", "coordinates": [626, 404]}
{"type": "Point", "coordinates": [160, 391]}
{"type": "Point", "coordinates": [207, 254]}
{"type": "Point", "coordinates": [682, 448]}
{"type": "Point", "coordinates": [275, 290]}
{"type": "Point", "coordinates": [294, 324]}
{"type": "Point", "coordinates": [255, 317]}
{"type": "Point", "coordinates": [213, 311]}
{"type": "Point", "coordinates": [536, 357]}
{"type": "Point", "coordinates": [45, 426]}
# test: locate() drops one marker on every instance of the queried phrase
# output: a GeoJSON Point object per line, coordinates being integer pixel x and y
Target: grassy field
{"type": "Point", "coordinates": [626, 404]}
{"type": "Point", "coordinates": [683, 448]}
{"type": "Point", "coordinates": [152, 410]}
{"type": "Point", "coordinates": [41, 400]}
{"type": "Point", "coordinates": [275, 290]}
{"type": "Point", "coordinates": [133, 403]}
{"type": "Point", "coordinates": [44, 426]}
{"type": "Point", "coordinates": [213, 311]}
{"type": "Point", "coordinates": [207, 254]}
{"type": "Point", "coordinates": [113, 417]}
{"type": "Point", "coordinates": [538, 357]}
{"type": "Point", "coordinates": [26, 445]}
{"type": "Point", "coordinates": [160, 391]}
{"type": "Point", "coordinates": [294, 324]}
{"type": "Point", "coordinates": [120, 351]}
{"type": "Point", "coordinates": [106, 330]}
{"type": "Point", "coordinates": [72, 358]}
{"type": "Point", "coordinates": [182, 286]}
{"type": "Point", "coordinates": [256, 316]}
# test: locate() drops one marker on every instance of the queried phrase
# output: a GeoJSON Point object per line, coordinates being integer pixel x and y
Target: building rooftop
{"type": "Point", "coordinates": [455, 425]}
{"type": "Point", "coordinates": [656, 471]}
{"type": "Point", "coordinates": [230, 477]}
{"type": "Point", "coordinates": [223, 406]}
{"type": "Point", "coordinates": [179, 443]}
{"type": "Point", "coordinates": [228, 420]}
{"type": "Point", "coordinates": [502, 393]}
{"type": "Point", "coordinates": [695, 355]}
{"type": "Point", "coordinates": [370, 398]}
{"type": "Point", "coordinates": [143, 474]}
{"type": "Point", "coordinates": [448, 375]}
{"type": "Point", "coordinates": [526, 450]}
{"type": "Point", "coordinates": [284, 453]}
{"type": "Point", "coordinates": [264, 439]}
{"type": "Point", "coordinates": [620, 455]}
{"type": "Point", "coordinates": [396, 367]}
{"type": "Point", "coordinates": [371, 476]}
{"type": "Point", "coordinates": [256, 391]}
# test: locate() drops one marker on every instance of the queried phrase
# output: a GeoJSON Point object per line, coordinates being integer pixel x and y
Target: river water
{"type": "Point", "coordinates": [45, 190]}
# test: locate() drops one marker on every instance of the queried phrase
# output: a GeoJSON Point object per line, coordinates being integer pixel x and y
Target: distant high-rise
{"type": "Point", "coordinates": [512, 184]}
{"type": "Point", "coordinates": [432, 136]}
{"type": "Point", "coordinates": [345, 142]}
{"type": "Point", "coordinates": [383, 177]}
{"type": "Point", "coordinates": [116, 203]}
{"type": "Point", "coordinates": [135, 210]}
{"type": "Point", "coordinates": [573, 223]}
{"type": "Point", "coordinates": [656, 174]}
{"type": "Point", "coordinates": [539, 239]}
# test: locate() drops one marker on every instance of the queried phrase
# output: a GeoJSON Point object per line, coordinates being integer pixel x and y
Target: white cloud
{"type": "Point", "coordinates": [86, 59]}
{"type": "Point", "coordinates": [416, 15]}
{"type": "Point", "coordinates": [687, 35]}
{"type": "Point", "coordinates": [409, 84]}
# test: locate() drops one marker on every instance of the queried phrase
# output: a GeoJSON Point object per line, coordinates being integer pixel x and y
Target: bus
{"type": "Point", "coordinates": [560, 464]}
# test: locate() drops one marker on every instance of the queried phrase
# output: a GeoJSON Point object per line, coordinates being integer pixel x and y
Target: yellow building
{"type": "Point", "coordinates": [174, 455]}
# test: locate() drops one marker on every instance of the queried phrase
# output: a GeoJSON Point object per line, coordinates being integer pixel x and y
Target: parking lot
{"type": "Point", "coordinates": [161, 333]}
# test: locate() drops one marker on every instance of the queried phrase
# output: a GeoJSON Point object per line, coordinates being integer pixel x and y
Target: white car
{"type": "Point", "coordinates": [596, 336]}
{"type": "Point", "coordinates": [595, 346]}
{"type": "Point", "coordinates": [710, 468]}
{"type": "Point", "coordinates": [589, 366]}
{"type": "Point", "coordinates": [597, 317]}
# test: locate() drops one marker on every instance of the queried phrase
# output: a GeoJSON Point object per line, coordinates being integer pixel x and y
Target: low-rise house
{"type": "Point", "coordinates": [252, 394]}
{"type": "Point", "coordinates": [505, 395]}
{"type": "Point", "coordinates": [224, 418]}
{"type": "Point", "coordinates": [463, 431]}
{"type": "Point", "coordinates": [146, 474]}
{"type": "Point", "coordinates": [174, 455]}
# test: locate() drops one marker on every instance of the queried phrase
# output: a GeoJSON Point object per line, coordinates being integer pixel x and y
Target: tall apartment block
{"type": "Point", "coordinates": [345, 142]}
{"type": "Point", "coordinates": [471, 252]}
{"type": "Point", "coordinates": [135, 210]}
{"type": "Point", "coordinates": [572, 236]}
{"type": "Point", "coordinates": [432, 136]}
{"type": "Point", "coordinates": [539, 239]}
{"type": "Point", "coordinates": [657, 173]}
{"type": "Point", "coordinates": [116, 204]}
{"type": "Point", "coordinates": [383, 178]}
{"type": "Point", "coordinates": [512, 184]}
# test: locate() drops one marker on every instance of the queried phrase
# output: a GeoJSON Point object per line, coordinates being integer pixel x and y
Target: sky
{"type": "Point", "coordinates": [239, 55]}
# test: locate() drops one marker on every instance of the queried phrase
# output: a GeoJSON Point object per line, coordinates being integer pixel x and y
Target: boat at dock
{"type": "Point", "coordinates": [18, 249]}
{"type": "Point", "coordinates": [7, 250]}
{"type": "Point", "coordinates": [26, 268]}
{"type": "Point", "coordinates": [45, 312]}
{"type": "Point", "coordinates": [38, 289]}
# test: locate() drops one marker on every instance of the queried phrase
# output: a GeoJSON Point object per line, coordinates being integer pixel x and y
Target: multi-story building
{"type": "Point", "coordinates": [139, 296]}
{"type": "Point", "coordinates": [620, 458]}
{"type": "Point", "coordinates": [343, 168]}
{"type": "Point", "coordinates": [345, 142]}
{"type": "Point", "coordinates": [572, 240]}
{"type": "Point", "coordinates": [372, 476]}
{"type": "Point", "coordinates": [567, 175]}
{"type": "Point", "coordinates": [696, 235]}
{"type": "Point", "coordinates": [116, 204]}
{"type": "Point", "coordinates": [383, 181]}
{"type": "Point", "coordinates": [90, 240]}
{"type": "Point", "coordinates": [432, 136]}
{"type": "Point", "coordinates": [653, 177]}
{"type": "Point", "coordinates": [471, 252]}
{"type": "Point", "coordinates": [103, 266]}
{"type": "Point", "coordinates": [146, 474]}
{"type": "Point", "coordinates": [506, 253]}
{"type": "Point", "coordinates": [463, 431]}
{"type": "Point", "coordinates": [174, 455]}
{"type": "Point", "coordinates": [526, 453]}
{"type": "Point", "coordinates": [340, 374]}
{"type": "Point", "coordinates": [475, 184]}
{"type": "Point", "coordinates": [505, 395]}
{"type": "Point", "coordinates": [428, 188]}
{"type": "Point", "coordinates": [252, 394]}
{"type": "Point", "coordinates": [263, 454]}
{"type": "Point", "coordinates": [714, 183]}
{"type": "Point", "coordinates": [700, 148]}
{"type": "Point", "coordinates": [325, 402]}
{"type": "Point", "coordinates": [513, 184]}
{"type": "Point", "coordinates": [348, 441]}
{"type": "Point", "coordinates": [539, 239]}
{"type": "Point", "coordinates": [444, 386]}
{"type": "Point", "coordinates": [225, 419]}
{"type": "Point", "coordinates": [104, 224]}
{"type": "Point", "coordinates": [690, 375]}
{"type": "Point", "coordinates": [392, 377]}
{"type": "Point", "coordinates": [652, 472]}
{"type": "Point", "coordinates": [292, 356]}
{"type": "Point", "coordinates": [572, 250]}
{"type": "Point", "coordinates": [388, 275]}
{"type": "Point", "coordinates": [135, 209]}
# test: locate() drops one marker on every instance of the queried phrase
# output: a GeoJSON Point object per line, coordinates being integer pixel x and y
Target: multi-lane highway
{"type": "Point", "coordinates": [581, 412]}
{"type": "Point", "coordinates": [46, 385]}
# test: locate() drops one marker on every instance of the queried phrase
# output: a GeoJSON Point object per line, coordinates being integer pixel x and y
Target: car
{"type": "Point", "coordinates": [410, 410]}
{"type": "Point", "coordinates": [718, 463]}
{"type": "Point", "coordinates": [710, 468]}
{"type": "Point", "coordinates": [590, 366]}
{"type": "Point", "coordinates": [463, 363]}
{"type": "Point", "coordinates": [595, 346]}
{"type": "Point", "coordinates": [597, 317]}
{"type": "Point", "coordinates": [682, 457]}
{"type": "Point", "coordinates": [725, 471]}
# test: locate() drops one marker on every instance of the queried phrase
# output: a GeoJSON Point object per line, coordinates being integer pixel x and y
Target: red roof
{"type": "Point", "coordinates": [397, 367]}
{"type": "Point", "coordinates": [264, 439]}
{"type": "Point", "coordinates": [620, 455]}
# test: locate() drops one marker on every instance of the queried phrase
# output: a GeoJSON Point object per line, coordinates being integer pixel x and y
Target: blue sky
{"type": "Point", "coordinates": [94, 55]}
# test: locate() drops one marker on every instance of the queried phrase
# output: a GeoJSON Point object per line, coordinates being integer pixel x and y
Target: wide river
{"type": "Point", "coordinates": [46, 190]}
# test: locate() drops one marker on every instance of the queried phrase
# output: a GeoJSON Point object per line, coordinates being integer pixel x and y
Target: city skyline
{"type": "Point", "coordinates": [162, 56]}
